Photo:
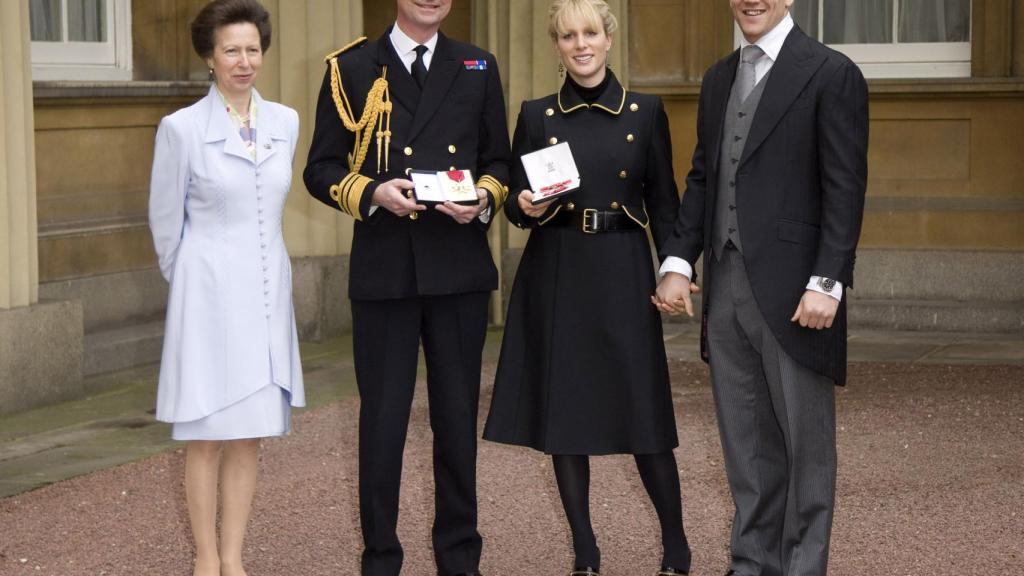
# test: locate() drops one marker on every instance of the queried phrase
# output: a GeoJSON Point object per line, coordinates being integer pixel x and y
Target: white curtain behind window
{"type": "Point", "coordinates": [805, 14]}
{"type": "Point", "coordinates": [45, 20]}
{"type": "Point", "coordinates": [935, 20]}
{"type": "Point", "coordinates": [858, 21]}
{"type": "Point", "coordinates": [86, 21]}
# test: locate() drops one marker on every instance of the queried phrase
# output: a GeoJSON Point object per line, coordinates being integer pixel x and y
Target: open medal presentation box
{"type": "Point", "coordinates": [552, 172]}
{"type": "Point", "coordinates": [448, 186]}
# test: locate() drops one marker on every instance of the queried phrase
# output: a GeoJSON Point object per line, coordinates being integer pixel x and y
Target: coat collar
{"type": "Point", "coordinates": [611, 100]}
{"type": "Point", "coordinates": [269, 127]}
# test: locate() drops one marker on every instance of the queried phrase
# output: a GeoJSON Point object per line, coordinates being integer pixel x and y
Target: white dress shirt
{"type": "Point", "coordinates": [405, 47]}
{"type": "Point", "coordinates": [771, 43]}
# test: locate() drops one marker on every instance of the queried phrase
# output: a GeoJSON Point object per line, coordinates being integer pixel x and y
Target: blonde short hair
{"type": "Point", "coordinates": [593, 12]}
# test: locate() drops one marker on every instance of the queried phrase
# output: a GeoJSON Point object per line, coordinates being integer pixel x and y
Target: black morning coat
{"type": "Point", "coordinates": [582, 367]}
{"type": "Point", "coordinates": [458, 121]}
{"type": "Point", "coordinates": [800, 190]}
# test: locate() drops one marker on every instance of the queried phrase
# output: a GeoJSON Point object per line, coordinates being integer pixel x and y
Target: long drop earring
{"type": "Point", "coordinates": [561, 70]}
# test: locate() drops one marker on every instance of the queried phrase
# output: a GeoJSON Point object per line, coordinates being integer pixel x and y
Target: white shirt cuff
{"type": "Point", "coordinates": [837, 291]}
{"type": "Point", "coordinates": [678, 265]}
{"type": "Point", "coordinates": [485, 216]}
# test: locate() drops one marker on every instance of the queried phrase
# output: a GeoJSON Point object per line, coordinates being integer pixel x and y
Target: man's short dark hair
{"type": "Point", "coordinates": [220, 13]}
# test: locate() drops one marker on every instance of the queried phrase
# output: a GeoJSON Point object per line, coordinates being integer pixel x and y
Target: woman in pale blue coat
{"type": "Point", "coordinates": [230, 371]}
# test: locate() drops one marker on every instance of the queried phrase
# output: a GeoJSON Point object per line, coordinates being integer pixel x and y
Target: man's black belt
{"type": "Point", "coordinates": [593, 221]}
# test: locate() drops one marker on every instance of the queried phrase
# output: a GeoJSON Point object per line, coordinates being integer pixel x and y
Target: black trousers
{"type": "Point", "coordinates": [386, 339]}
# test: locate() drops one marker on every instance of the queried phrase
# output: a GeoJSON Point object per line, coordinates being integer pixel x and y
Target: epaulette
{"type": "Point", "coordinates": [354, 44]}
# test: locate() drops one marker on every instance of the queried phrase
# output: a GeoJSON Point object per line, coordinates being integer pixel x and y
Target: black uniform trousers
{"type": "Point", "coordinates": [386, 339]}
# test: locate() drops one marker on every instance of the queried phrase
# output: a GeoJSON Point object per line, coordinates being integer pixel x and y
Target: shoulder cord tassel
{"type": "Point", "coordinates": [376, 114]}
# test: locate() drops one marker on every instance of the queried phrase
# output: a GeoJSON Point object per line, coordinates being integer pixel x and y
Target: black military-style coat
{"type": "Point", "coordinates": [582, 367]}
{"type": "Point", "coordinates": [456, 121]}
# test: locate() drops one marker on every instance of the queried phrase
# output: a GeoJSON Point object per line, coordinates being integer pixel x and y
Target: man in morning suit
{"type": "Point", "coordinates": [414, 100]}
{"type": "Point", "coordinates": [774, 202]}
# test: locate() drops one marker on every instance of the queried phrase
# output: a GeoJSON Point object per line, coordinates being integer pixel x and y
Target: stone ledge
{"type": "Point", "coordinates": [41, 350]}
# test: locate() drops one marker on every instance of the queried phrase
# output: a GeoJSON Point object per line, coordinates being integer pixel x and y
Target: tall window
{"type": "Point", "coordinates": [80, 39]}
{"type": "Point", "coordinates": [894, 38]}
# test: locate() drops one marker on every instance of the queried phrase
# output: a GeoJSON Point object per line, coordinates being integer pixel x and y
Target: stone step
{"type": "Point", "coordinates": [122, 347]}
{"type": "Point", "coordinates": [937, 315]}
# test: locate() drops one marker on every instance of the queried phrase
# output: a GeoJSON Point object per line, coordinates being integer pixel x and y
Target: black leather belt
{"type": "Point", "coordinates": [592, 221]}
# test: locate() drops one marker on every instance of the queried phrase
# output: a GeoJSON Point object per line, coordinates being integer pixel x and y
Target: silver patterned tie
{"type": "Point", "coordinates": [747, 76]}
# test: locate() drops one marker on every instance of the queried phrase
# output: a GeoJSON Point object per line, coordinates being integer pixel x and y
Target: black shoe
{"type": "Point", "coordinates": [670, 571]}
{"type": "Point", "coordinates": [584, 571]}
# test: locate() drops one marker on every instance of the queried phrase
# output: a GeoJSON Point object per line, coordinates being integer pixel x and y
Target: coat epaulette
{"type": "Point", "coordinates": [354, 44]}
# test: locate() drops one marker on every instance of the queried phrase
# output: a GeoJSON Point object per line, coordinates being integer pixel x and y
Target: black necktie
{"type": "Point", "coordinates": [419, 69]}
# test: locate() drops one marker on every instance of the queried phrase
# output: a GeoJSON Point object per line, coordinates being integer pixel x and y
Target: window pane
{"type": "Point", "coordinates": [45, 20]}
{"type": "Point", "coordinates": [935, 20]}
{"type": "Point", "coordinates": [805, 13]}
{"type": "Point", "coordinates": [858, 21]}
{"type": "Point", "coordinates": [87, 21]}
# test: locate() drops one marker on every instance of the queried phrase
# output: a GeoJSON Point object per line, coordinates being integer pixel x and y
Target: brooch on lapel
{"type": "Point", "coordinates": [475, 64]}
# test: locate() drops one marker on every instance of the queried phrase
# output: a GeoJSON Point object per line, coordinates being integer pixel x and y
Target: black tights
{"type": "Point", "coordinates": [661, 479]}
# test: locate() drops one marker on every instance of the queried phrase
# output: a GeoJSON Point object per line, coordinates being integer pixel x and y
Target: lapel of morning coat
{"type": "Point", "coordinates": [444, 67]}
{"type": "Point", "coordinates": [795, 67]}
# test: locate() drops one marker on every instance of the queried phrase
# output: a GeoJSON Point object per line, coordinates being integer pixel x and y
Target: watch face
{"type": "Point", "coordinates": [826, 284]}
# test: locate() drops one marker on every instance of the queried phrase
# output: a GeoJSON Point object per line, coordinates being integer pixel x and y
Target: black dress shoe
{"type": "Point", "coordinates": [584, 571]}
{"type": "Point", "coordinates": [670, 571]}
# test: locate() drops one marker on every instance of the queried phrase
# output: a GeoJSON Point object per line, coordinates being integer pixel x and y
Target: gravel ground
{"type": "Point", "coordinates": [931, 482]}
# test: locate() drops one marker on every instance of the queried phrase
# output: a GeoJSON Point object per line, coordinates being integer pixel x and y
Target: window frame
{"type": "Point", "coordinates": [902, 59]}
{"type": "Point", "coordinates": [88, 61]}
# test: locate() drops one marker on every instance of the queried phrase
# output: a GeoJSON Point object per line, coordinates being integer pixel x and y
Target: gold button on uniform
{"type": "Point", "coordinates": [451, 168]}
{"type": "Point", "coordinates": [571, 206]}
{"type": "Point", "coordinates": [408, 171]}
{"type": "Point", "coordinates": [451, 148]}
{"type": "Point", "coordinates": [408, 151]}
{"type": "Point", "coordinates": [553, 141]}
{"type": "Point", "coordinates": [622, 174]}
{"type": "Point", "coordinates": [550, 112]}
{"type": "Point", "coordinates": [633, 107]}
{"type": "Point", "coordinates": [630, 138]}
{"type": "Point", "coordinates": [615, 205]}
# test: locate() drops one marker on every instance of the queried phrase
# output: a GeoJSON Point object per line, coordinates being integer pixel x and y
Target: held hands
{"type": "Point", "coordinates": [465, 214]}
{"type": "Point", "coordinates": [526, 205]}
{"type": "Point", "coordinates": [392, 196]}
{"type": "Point", "coordinates": [816, 310]}
{"type": "Point", "coordinates": [673, 294]}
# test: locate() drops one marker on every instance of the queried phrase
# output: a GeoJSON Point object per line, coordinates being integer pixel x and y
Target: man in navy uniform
{"type": "Point", "coordinates": [414, 99]}
{"type": "Point", "coordinates": [774, 202]}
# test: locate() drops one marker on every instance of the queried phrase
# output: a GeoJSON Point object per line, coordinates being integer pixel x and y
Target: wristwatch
{"type": "Point", "coordinates": [826, 284]}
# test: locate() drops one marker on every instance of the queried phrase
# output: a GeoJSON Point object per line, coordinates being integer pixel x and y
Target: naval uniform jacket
{"type": "Point", "coordinates": [800, 188]}
{"type": "Point", "coordinates": [582, 367]}
{"type": "Point", "coordinates": [456, 121]}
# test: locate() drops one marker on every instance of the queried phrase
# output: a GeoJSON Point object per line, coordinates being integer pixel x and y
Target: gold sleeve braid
{"type": "Point", "coordinates": [376, 115]}
{"type": "Point", "coordinates": [495, 187]}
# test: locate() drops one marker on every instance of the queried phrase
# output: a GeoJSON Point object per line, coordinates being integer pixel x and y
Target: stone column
{"type": "Point", "coordinates": [40, 343]}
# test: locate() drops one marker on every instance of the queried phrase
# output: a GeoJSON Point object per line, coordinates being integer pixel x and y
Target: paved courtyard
{"type": "Point", "coordinates": [931, 451]}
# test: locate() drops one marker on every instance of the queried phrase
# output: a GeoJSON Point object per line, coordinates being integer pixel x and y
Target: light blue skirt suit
{"type": "Point", "coordinates": [230, 367]}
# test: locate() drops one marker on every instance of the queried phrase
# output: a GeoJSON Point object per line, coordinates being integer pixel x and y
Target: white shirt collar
{"type": "Point", "coordinates": [771, 42]}
{"type": "Point", "coordinates": [405, 45]}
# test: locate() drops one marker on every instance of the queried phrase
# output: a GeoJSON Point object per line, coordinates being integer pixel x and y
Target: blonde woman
{"type": "Point", "coordinates": [583, 369]}
{"type": "Point", "coordinates": [230, 371]}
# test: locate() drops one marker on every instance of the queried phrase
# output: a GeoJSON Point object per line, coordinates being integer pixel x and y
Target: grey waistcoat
{"type": "Point", "coordinates": [738, 118]}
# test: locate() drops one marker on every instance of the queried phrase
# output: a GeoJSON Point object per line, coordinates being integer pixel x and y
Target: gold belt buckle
{"type": "Point", "coordinates": [590, 221]}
